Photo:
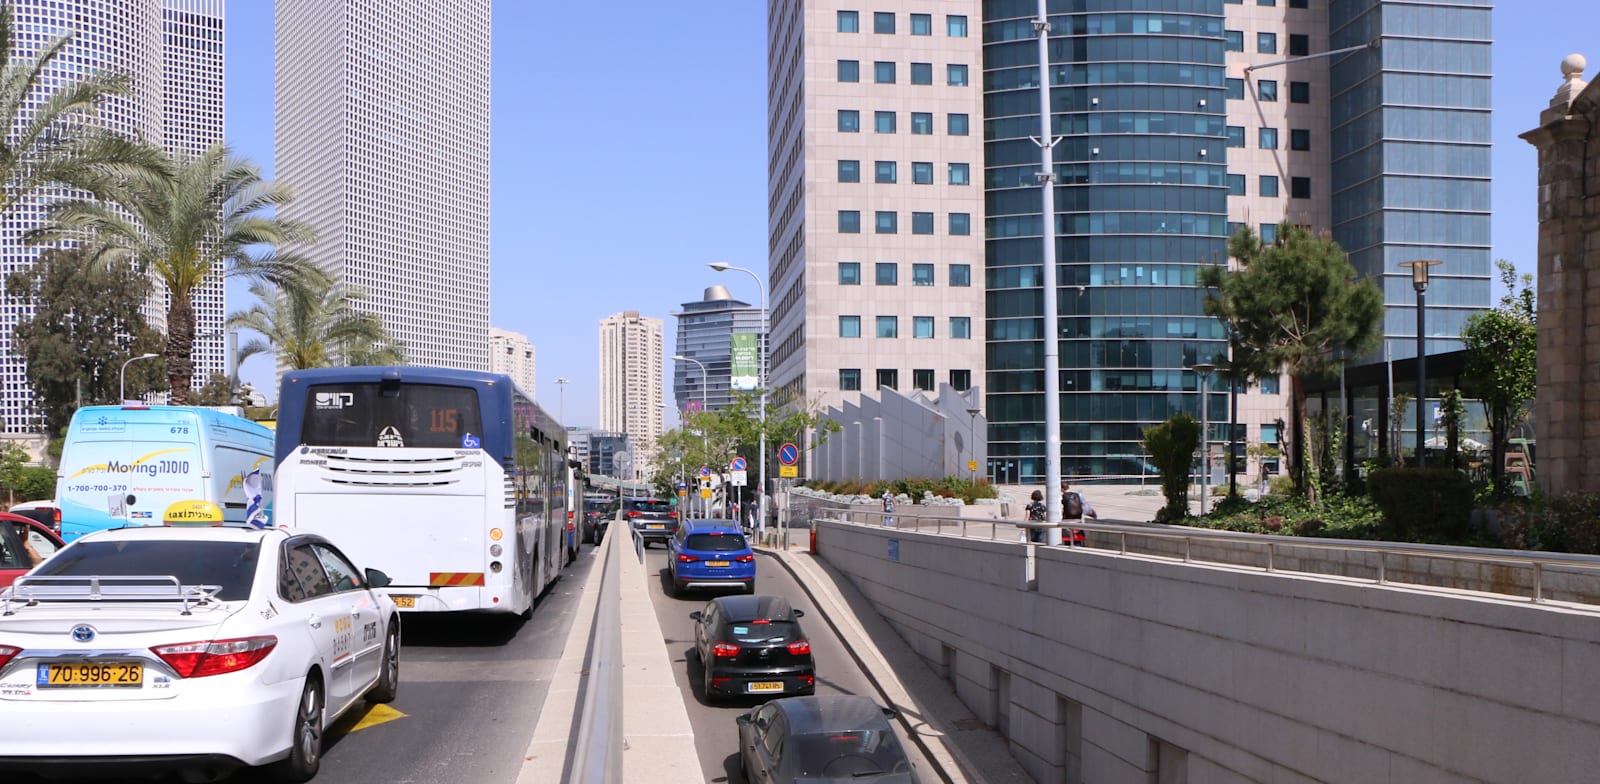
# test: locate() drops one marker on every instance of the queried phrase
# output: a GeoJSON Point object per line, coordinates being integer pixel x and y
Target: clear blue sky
{"type": "Point", "coordinates": [630, 149]}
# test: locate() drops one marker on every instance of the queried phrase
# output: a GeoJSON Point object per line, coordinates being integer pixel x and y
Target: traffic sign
{"type": "Point", "coordinates": [788, 472]}
{"type": "Point", "coordinates": [705, 492]}
{"type": "Point", "coordinates": [972, 465]}
{"type": "Point", "coordinates": [788, 454]}
{"type": "Point", "coordinates": [738, 478]}
{"type": "Point", "coordinates": [738, 464]}
{"type": "Point", "coordinates": [705, 472]}
{"type": "Point", "coordinates": [682, 486]}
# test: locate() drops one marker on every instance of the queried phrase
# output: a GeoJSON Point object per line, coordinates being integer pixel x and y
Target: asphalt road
{"type": "Point", "coordinates": [716, 734]}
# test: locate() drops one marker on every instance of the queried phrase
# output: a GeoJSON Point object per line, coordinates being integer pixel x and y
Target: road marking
{"type": "Point", "coordinates": [375, 715]}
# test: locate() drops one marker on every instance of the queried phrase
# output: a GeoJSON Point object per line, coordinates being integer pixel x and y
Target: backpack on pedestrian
{"type": "Point", "coordinates": [1071, 506]}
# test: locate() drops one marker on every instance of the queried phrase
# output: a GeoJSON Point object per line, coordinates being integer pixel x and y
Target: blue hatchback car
{"type": "Point", "coordinates": [710, 554]}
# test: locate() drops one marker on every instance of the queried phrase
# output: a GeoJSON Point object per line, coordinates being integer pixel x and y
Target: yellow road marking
{"type": "Point", "coordinates": [375, 715]}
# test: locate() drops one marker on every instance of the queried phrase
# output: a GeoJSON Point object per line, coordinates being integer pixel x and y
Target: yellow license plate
{"type": "Point", "coordinates": [405, 602]}
{"type": "Point", "coordinates": [766, 686]}
{"type": "Point", "coordinates": [56, 676]}
{"type": "Point", "coordinates": [656, 526]}
{"type": "Point", "coordinates": [716, 563]}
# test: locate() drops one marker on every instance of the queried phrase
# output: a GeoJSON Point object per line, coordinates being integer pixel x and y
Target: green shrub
{"type": "Point", "coordinates": [35, 484]}
{"type": "Point", "coordinates": [1336, 516]}
{"type": "Point", "coordinates": [1571, 524]}
{"type": "Point", "coordinates": [968, 490]}
{"type": "Point", "coordinates": [1171, 445]}
{"type": "Point", "coordinates": [1424, 504]}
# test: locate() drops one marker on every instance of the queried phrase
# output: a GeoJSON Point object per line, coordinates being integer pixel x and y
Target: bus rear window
{"type": "Point", "coordinates": [414, 415]}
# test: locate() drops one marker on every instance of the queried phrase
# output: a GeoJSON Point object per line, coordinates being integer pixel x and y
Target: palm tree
{"type": "Point", "coordinates": [201, 218]}
{"type": "Point", "coordinates": [307, 327]}
{"type": "Point", "coordinates": [57, 142]}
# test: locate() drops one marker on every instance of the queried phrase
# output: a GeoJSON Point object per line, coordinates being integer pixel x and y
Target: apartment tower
{"type": "Point", "coordinates": [383, 130]}
{"type": "Point", "coordinates": [631, 388]}
{"type": "Point", "coordinates": [512, 354]}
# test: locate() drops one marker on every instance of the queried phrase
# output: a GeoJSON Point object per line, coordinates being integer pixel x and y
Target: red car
{"type": "Point", "coordinates": [17, 535]}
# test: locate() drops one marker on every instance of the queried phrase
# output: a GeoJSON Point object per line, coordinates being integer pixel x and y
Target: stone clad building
{"type": "Point", "coordinates": [1567, 417]}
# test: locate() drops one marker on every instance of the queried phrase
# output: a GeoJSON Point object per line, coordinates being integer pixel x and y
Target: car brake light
{"type": "Point", "coordinates": [199, 659]}
{"type": "Point", "coordinates": [673, 515]}
{"type": "Point", "coordinates": [761, 621]}
{"type": "Point", "coordinates": [724, 650]}
{"type": "Point", "coordinates": [800, 647]}
{"type": "Point", "coordinates": [744, 558]}
{"type": "Point", "coordinates": [633, 513]}
{"type": "Point", "coordinates": [7, 653]}
{"type": "Point", "coordinates": [686, 558]}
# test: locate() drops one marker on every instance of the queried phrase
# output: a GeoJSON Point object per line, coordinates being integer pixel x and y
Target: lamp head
{"type": "Point", "coordinates": [146, 356]}
{"type": "Point", "coordinates": [720, 266]}
{"type": "Point", "coordinates": [1419, 272]}
{"type": "Point", "coordinates": [1203, 368]}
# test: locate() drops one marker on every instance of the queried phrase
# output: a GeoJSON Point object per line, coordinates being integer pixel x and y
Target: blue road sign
{"type": "Point", "coordinates": [788, 454]}
{"type": "Point", "coordinates": [682, 486]}
{"type": "Point", "coordinates": [738, 464]}
{"type": "Point", "coordinates": [705, 473]}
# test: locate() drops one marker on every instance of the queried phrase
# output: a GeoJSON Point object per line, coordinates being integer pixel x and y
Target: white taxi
{"type": "Point", "coordinates": [198, 650]}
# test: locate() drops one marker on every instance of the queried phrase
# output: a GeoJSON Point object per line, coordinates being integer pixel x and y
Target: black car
{"type": "Point", "coordinates": [652, 518]}
{"type": "Point", "coordinates": [822, 738]}
{"type": "Point", "coordinates": [596, 516]}
{"type": "Point", "coordinates": [753, 646]}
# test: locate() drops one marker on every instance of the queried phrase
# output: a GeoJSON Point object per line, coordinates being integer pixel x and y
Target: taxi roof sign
{"type": "Point", "coordinates": [193, 513]}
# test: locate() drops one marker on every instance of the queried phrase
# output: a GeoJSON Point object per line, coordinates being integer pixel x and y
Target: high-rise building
{"type": "Point", "coordinates": [631, 388]}
{"type": "Point", "coordinates": [1177, 124]}
{"type": "Point", "coordinates": [511, 353]}
{"type": "Point", "coordinates": [171, 52]}
{"type": "Point", "coordinates": [705, 334]}
{"type": "Point", "coordinates": [383, 130]}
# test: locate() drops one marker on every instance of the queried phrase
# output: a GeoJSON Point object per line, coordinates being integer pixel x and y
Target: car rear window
{"type": "Point", "coordinates": [848, 754]}
{"type": "Point", "coordinates": [650, 506]}
{"type": "Point", "coordinates": [231, 565]}
{"type": "Point", "coordinates": [717, 543]}
{"type": "Point", "coordinates": [763, 631]}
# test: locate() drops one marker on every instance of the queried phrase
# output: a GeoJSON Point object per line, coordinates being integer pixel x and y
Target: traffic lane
{"type": "Point", "coordinates": [716, 735]}
{"type": "Point", "coordinates": [471, 688]}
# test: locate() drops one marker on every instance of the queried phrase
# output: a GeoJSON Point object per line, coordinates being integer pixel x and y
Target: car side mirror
{"type": "Point", "coordinates": [799, 613]}
{"type": "Point", "coordinates": [695, 616]}
{"type": "Point", "coordinates": [377, 579]}
{"type": "Point", "coordinates": [743, 718]}
{"type": "Point", "coordinates": [891, 714]}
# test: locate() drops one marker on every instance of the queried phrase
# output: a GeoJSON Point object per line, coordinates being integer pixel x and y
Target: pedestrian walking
{"type": "Point", "coordinates": [1036, 513]}
{"type": "Point", "coordinates": [1266, 476]}
{"type": "Point", "coordinates": [888, 508]}
{"type": "Point", "coordinates": [1075, 507]}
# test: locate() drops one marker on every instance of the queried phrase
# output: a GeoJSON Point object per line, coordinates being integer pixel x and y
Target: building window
{"type": "Point", "coordinates": [849, 379]}
{"type": "Point", "coordinates": [1236, 185]}
{"type": "Point", "coordinates": [921, 223]}
{"type": "Point", "coordinates": [956, 75]}
{"type": "Point", "coordinates": [1298, 4]}
{"type": "Point", "coordinates": [922, 123]}
{"type": "Point", "coordinates": [849, 171]}
{"type": "Point", "coordinates": [1268, 186]}
{"type": "Point", "coordinates": [887, 273]}
{"type": "Point", "coordinates": [956, 124]}
{"type": "Point", "coordinates": [955, 26]}
{"type": "Point", "coordinates": [849, 71]}
{"type": "Point", "coordinates": [1299, 45]}
{"type": "Point", "coordinates": [1267, 43]}
{"type": "Point", "coordinates": [886, 222]}
{"type": "Point", "coordinates": [922, 274]}
{"type": "Point", "coordinates": [1269, 231]}
{"type": "Point", "coordinates": [1299, 139]}
{"type": "Point", "coordinates": [849, 273]}
{"type": "Point", "coordinates": [960, 224]}
{"type": "Point", "coordinates": [1233, 2]}
{"type": "Point", "coordinates": [849, 326]}
{"type": "Point", "coordinates": [883, 73]}
{"type": "Point", "coordinates": [849, 22]}
{"type": "Point", "coordinates": [1267, 138]}
{"type": "Point", "coordinates": [1266, 2]}
{"type": "Point", "coordinates": [922, 73]}
{"type": "Point", "coordinates": [961, 327]}
{"type": "Point", "coordinates": [883, 122]}
{"type": "Point", "coordinates": [960, 174]}
{"type": "Point", "coordinates": [961, 275]}
{"type": "Point", "coordinates": [849, 221]}
{"type": "Point", "coordinates": [1236, 136]}
{"type": "Point", "coordinates": [1267, 90]}
{"type": "Point", "coordinates": [888, 326]}
{"type": "Point", "coordinates": [1235, 40]}
{"type": "Point", "coordinates": [922, 327]}
{"type": "Point", "coordinates": [1299, 187]}
{"type": "Point", "coordinates": [961, 380]}
{"type": "Point", "coordinates": [885, 171]}
{"type": "Point", "coordinates": [883, 23]}
{"type": "Point", "coordinates": [922, 172]}
{"type": "Point", "coordinates": [849, 121]}
{"type": "Point", "coordinates": [1299, 92]}
{"type": "Point", "coordinates": [922, 379]}
{"type": "Point", "coordinates": [1235, 89]}
{"type": "Point", "coordinates": [889, 379]}
{"type": "Point", "coordinates": [1234, 227]}
{"type": "Point", "coordinates": [922, 24]}
{"type": "Point", "coordinates": [1269, 386]}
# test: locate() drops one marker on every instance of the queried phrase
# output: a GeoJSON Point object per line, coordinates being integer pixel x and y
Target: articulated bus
{"type": "Point", "coordinates": [453, 482]}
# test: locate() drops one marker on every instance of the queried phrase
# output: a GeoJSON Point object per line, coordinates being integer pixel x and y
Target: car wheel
{"type": "Point", "coordinates": [388, 684]}
{"type": "Point", "coordinates": [705, 688]}
{"type": "Point", "coordinates": [305, 749]}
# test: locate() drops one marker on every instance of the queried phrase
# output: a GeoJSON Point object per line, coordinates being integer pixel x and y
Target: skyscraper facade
{"type": "Point", "coordinates": [512, 354]}
{"type": "Point", "coordinates": [631, 388]}
{"type": "Point", "coordinates": [171, 52]}
{"type": "Point", "coordinates": [705, 334]}
{"type": "Point", "coordinates": [383, 130]}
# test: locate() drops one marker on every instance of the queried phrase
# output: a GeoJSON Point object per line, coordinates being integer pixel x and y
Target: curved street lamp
{"type": "Point", "coordinates": [761, 381]}
{"type": "Point", "coordinates": [705, 438]}
{"type": "Point", "coordinates": [122, 376]}
{"type": "Point", "coordinates": [1204, 370]}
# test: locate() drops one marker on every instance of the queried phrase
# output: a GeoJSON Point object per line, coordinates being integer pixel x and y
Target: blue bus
{"type": "Point", "coordinates": [454, 482]}
{"type": "Point", "coordinates": [124, 465]}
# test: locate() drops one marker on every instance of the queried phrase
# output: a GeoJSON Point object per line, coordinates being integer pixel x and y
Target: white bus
{"type": "Point", "coordinates": [453, 482]}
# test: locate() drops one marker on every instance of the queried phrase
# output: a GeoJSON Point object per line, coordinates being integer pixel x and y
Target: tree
{"type": "Point", "coordinates": [1297, 306]}
{"type": "Point", "coordinates": [86, 323]}
{"type": "Point", "coordinates": [1171, 445]}
{"type": "Point", "coordinates": [714, 438]}
{"type": "Point", "coordinates": [216, 392]}
{"type": "Point", "coordinates": [306, 327]}
{"type": "Point", "coordinates": [199, 218]}
{"type": "Point", "coordinates": [1501, 352]}
{"type": "Point", "coordinates": [13, 459]}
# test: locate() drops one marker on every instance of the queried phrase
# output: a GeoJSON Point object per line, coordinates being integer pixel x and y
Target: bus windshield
{"type": "Point", "coordinates": [409, 415]}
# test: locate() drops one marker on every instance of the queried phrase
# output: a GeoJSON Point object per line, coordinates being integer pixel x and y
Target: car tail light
{"type": "Point", "coordinates": [673, 515]}
{"type": "Point", "coordinates": [800, 647]}
{"type": "Point", "coordinates": [724, 650]}
{"type": "Point", "coordinates": [682, 558]}
{"type": "Point", "coordinates": [633, 513]}
{"type": "Point", "coordinates": [199, 659]}
{"type": "Point", "coordinates": [809, 680]}
{"type": "Point", "coordinates": [744, 558]}
{"type": "Point", "coordinates": [7, 653]}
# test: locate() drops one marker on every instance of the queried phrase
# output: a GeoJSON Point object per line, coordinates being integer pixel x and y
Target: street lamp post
{"type": "Point", "coordinates": [761, 382]}
{"type": "Point", "coordinates": [561, 384]}
{"type": "Point", "coordinates": [122, 376]}
{"type": "Point", "coordinates": [705, 438]}
{"type": "Point", "coordinates": [972, 441]}
{"type": "Point", "coordinates": [1052, 330]}
{"type": "Point", "coordinates": [1419, 281]}
{"type": "Point", "coordinates": [1203, 370]}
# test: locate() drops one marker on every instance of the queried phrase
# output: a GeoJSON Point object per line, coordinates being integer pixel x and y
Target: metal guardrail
{"type": "Point", "coordinates": [1271, 546]}
{"type": "Point", "coordinates": [597, 753]}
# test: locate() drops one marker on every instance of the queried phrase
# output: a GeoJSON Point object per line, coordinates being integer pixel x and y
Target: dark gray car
{"type": "Point", "coordinates": [652, 518]}
{"type": "Point", "coordinates": [835, 737]}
